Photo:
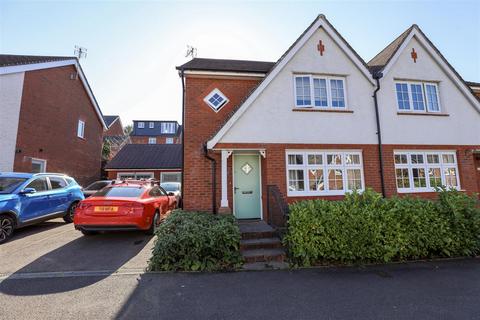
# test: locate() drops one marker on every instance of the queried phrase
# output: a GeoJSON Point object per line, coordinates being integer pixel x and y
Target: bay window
{"type": "Point", "coordinates": [313, 172]}
{"type": "Point", "coordinates": [423, 171]}
{"type": "Point", "coordinates": [315, 91]}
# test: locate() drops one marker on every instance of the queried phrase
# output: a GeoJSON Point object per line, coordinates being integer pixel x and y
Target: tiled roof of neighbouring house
{"type": "Point", "coordinates": [109, 120]}
{"type": "Point", "coordinates": [378, 62]}
{"type": "Point", "coordinates": [226, 65]}
{"type": "Point", "coordinates": [148, 156]}
{"type": "Point", "coordinates": [473, 84]}
{"type": "Point", "coordinates": [7, 60]}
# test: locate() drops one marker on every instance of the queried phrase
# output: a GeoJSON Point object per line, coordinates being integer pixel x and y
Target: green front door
{"type": "Point", "coordinates": [246, 189]}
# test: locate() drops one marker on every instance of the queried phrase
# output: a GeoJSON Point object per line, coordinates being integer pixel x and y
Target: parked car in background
{"type": "Point", "coordinates": [124, 205]}
{"type": "Point", "coordinates": [174, 189]}
{"type": "Point", "coordinates": [95, 187]}
{"type": "Point", "coordinates": [29, 198]}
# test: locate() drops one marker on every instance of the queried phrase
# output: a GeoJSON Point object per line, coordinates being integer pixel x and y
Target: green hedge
{"type": "Point", "coordinates": [196, 241]}
{"type": "Point", "coordinates": [368, 228]}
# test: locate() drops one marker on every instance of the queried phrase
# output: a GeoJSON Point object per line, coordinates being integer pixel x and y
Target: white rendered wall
{"type": "Point", "coordinates": [11, 87]}
{"type": "Point", "coordinates": [270, 118]}
{"type": "Point", "coordinates": [461, 127]}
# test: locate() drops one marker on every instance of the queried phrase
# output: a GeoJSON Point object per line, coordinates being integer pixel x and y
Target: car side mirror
{"type": "Point", "coordinates": [28, 191]}
{"type": "Point", "coordinates": [171, 194]}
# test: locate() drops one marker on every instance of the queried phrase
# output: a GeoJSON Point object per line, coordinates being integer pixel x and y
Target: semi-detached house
{"type": "Point", "coordinates": [321, 122]}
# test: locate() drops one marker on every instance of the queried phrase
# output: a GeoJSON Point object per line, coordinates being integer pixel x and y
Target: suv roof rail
{"type": "Point", "coordinates": [50, 174]}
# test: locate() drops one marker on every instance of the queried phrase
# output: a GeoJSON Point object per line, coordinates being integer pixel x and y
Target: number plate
{"type": "Point", "coordinates": [106, 209]}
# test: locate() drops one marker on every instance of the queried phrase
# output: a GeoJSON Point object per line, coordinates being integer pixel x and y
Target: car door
{"type": "Point", "coordinates": [59, 194]}
{"type": "Point", "coordinates": [169, 200]}
{"type": "Point", "coordinates": [37, 204]}
{"type": "Point", "coordinates": [160, 201]}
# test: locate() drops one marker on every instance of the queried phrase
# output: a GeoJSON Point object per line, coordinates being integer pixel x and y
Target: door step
{"type": "Point", "coordinates": [260, 244]}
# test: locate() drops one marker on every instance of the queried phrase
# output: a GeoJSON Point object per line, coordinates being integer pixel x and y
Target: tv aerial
{"type": "Point", "coordinates": [191, 52]}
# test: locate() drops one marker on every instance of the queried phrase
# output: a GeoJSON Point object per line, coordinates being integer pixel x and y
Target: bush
{"type": "Point", "coordinates": [196, 241]}
{"type": "Point", "coordinates": [368, 228]}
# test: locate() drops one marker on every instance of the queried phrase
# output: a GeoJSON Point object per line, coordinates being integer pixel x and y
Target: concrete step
{"type": "Point", "coordinates": [260, 243]}
{"type": "Point", "coordinates": [258, 234]}
{"type": "Point", "coordinates": [261, 255]}
{"type": "Point", "coordinates": [260, 266]}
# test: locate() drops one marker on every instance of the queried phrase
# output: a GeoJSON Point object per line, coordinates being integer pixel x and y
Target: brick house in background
{"type": "Point", "coordinates": [50, 120]}
{"type": "Point", "coordinates": [156, 132]}
{"type": "Point", "coordinates": [162, 162]}
{"type": "Point", "coordinates": [114, 136]}
{"type": "Point", "coordinates": [305, 127]}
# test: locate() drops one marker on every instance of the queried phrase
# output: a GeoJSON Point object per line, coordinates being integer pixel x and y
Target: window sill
{"type": "Point", "coordinates": [321, 110]}
{"type": "Point", "coordinates": [407, 113]}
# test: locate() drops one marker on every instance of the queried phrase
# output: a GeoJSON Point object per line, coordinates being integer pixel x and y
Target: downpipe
{"type": "Point", "coordinates": [377, 76]}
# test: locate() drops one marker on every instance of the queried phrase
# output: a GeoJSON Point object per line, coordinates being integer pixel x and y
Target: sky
{"type": "Point", "coordinates": [134, 46]}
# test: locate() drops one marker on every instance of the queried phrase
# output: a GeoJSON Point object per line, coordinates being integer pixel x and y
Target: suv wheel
{"type": "Point", "coordinates": [68, 217]}
{"type": "Point", "coordinates": [7, 225]}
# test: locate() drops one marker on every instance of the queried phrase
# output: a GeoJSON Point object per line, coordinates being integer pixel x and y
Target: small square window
{"type": "Point", "coordinates": [169, 141]}
{"type": "Point", "coordinates": [152, 140]}
{"type": "Point", "coordinates": [141, 125]}
{"type": "Point", "coordinates": [295, 159]}
{"type": "Point", "coordinates": [216, 100]}
{"type": "Point", "coordinates": [401, 159]}
{"type": "Point", "coordinates": [151, 125]}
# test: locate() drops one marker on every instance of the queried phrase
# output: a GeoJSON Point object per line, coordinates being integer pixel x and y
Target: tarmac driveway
{"type": "Point", "coordinates": [55, 247]}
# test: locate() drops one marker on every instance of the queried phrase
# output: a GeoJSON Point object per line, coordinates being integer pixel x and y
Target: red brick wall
{"type": "Point", "coordinates": [156, 173]}
{"type": "Point", "coordinates": [51, 106]}
{"type": "Point", "coordinates": [200, 123]}
{"type": "Point", "coordinates": [160, 139]}
{"type": "Point", "coordinates": [115, 129]}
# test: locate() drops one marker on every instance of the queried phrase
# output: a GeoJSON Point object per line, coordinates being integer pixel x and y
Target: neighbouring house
{"type": "Point", "coordinates": [114, 137]}
{"type": "Point", "coordinates": [50, 120]}
{"type": "Point", "coordinates": [262, 134]}
{"type": "Point", "coordinates": [161, 162]}
{"type": "Point", "coordinates": [156, 132]}
{"type": "Point", "coordinates": [114, 126]}
{"type": "Point", "coordinates": [475, 86]}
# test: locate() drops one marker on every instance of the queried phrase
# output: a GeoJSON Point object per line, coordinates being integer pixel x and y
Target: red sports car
{"type": "Point", "coordinates": [125, 205]}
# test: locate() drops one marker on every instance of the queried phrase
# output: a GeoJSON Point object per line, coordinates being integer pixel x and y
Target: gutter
{"type": "Point", "coordinates": [214, 178]}
{"type": "Point", "coordinates": [182, 76]}
{"type": "Point", "coordinates": [377, 76]}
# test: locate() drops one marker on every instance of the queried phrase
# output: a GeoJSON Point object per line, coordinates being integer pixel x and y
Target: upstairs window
{"type": "Point", "coordinates": [312, 91]}
{"type": "Point", "coordinates": [152, 140]}
{"type": "Point", "coordinates": [151, 125]}
{"type": "Point", "coordinates": [216, 100]}
{"type": "Point", "coordinates": [168, 127]}
{"type": "Point", "coordinates": [169, 141]}
{"type": "Point", "coordinates": [417, 96]}
{"type": "Point", "coordinates": [141, 125]}
{"type": "Point", "coordinates": [81, 129]}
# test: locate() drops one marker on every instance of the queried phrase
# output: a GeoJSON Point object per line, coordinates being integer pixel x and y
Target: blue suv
{"type": "Point", "coordinates": [29, 198]}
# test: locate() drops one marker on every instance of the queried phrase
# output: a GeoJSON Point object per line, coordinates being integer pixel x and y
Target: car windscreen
{"type": "Point", "coordinates": [129, 192]}
{"type": "Point", "coordinates": [170, 187]}
{"type": "Point", "coordinates": [9, 184]}
{"type": "Point", "coordinates": [97, 185]}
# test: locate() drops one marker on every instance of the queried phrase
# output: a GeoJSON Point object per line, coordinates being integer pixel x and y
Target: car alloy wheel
{"type": "Point", "coordinates": [6, 228]}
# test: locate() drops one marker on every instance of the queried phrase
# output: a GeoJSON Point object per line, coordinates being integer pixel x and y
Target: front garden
{"type": "Point", "coordinates": [367, 228]}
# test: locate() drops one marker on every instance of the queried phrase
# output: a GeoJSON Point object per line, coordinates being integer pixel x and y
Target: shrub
{"type": "Point", "coordinates": [368, 228]}
{"type": "Point", "coordinates": [196, 241]}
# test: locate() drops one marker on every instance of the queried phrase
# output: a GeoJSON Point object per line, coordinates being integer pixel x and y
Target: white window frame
{"type": "Point", "coordinates": [151, 125]}
{"type": "Point", "coordinates": [169, 140]}
{"type": "Point", "coordinates": [134, 174]}
{"type": "Point", "coordinates": [152, 140]}
{"type": "Point", "coordinates": [325, 167]}
{"type": "Point", "coordinates": [42, 163]}
{"type": "Point", "coordinates": [168, 127]}
{"type": "Point", "coordinates": [162, 174]}
{"type": "Point", "coordinates": [425, 96]}
{"type": "Point", "coordinates": [425, 165]}
{"type": "Point", "coordinates": [220, 93]}
{"type": "Point", "coordinates": [81, 129]}
{"type": "Point", "coordinates": [141, 125]}
{"type": "Point", "coordinates": [312, 91]}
